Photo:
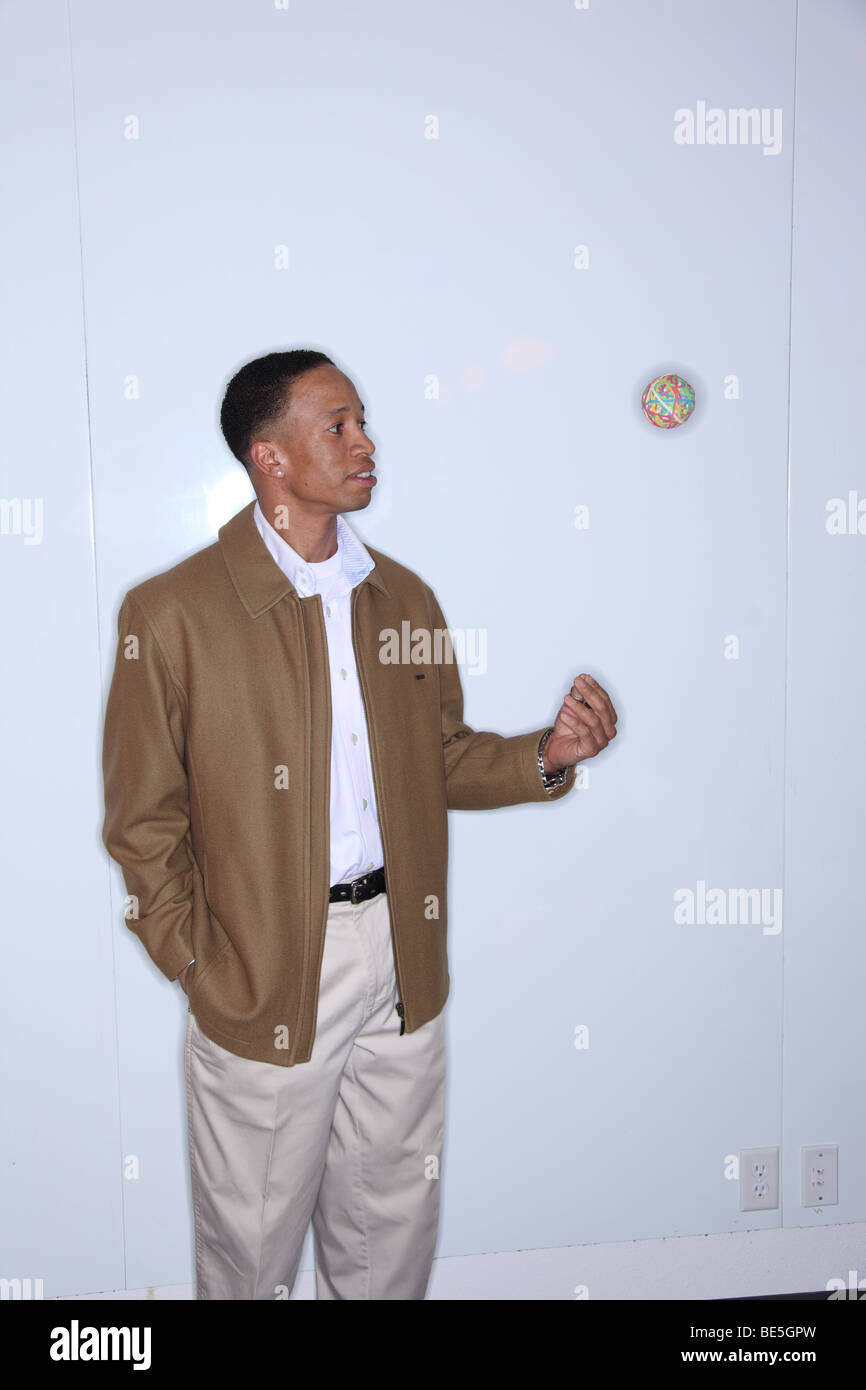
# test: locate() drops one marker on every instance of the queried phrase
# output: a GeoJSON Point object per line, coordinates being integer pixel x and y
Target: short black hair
{"type": "Point", "coordinates": [259, 393]}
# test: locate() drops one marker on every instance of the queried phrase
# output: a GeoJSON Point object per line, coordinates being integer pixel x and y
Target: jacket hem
{"type": "Point", "coordinates": [265, 1052]}
{"type": "Point", "coordinates": [252, 1050]}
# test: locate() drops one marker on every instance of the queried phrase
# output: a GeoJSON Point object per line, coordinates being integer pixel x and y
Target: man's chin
{"type": "Point", "coordinates": [358, 503]}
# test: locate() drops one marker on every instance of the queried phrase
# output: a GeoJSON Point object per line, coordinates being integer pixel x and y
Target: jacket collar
{"type": "Point", "coordinates": [257, 577]}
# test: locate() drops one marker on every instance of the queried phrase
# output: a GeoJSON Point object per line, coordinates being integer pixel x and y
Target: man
{"type": "Point", "coordinates": [283, 739]}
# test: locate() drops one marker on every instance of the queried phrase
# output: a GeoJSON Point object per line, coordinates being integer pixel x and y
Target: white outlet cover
{"type": "Point", "coordinates": [759, 1179]}
{"type": "Point", "coordinates": [821, 1175]}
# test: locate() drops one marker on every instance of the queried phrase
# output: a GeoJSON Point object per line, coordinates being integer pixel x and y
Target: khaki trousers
{"type": "Point", "coordinates": [351, 1140]}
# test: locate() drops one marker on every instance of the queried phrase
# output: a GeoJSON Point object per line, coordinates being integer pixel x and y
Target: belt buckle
{"type": "Point", "coordinates": [355, 882]}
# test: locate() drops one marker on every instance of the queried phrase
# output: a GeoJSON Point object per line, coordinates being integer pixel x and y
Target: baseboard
{"type": "Point", "coordinates": [743, 1264]}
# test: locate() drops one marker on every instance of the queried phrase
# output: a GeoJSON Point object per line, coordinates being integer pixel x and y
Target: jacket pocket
{"type": "Point", "coordinates": [211, 963]}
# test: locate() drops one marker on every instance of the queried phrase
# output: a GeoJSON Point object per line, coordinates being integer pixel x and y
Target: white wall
{"type": "Point", "coordinates": [142, 274]}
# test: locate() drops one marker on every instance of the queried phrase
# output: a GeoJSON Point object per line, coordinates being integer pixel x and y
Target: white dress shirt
{"type": "Point", "coordinates": [356, 845]}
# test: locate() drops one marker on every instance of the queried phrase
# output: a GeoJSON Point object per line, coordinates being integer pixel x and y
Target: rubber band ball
{"type": "Point", "coordinates": [668, 401]}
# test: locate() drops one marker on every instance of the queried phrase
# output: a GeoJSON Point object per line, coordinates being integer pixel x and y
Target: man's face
{"type": "Point", "coordinates": [319, 442]}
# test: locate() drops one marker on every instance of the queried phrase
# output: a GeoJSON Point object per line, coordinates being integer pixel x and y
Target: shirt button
{"type": "Point", "coordinates": [364, 799]}
{"type": "Point", "coordinates": [354, 738]}
{"type": "Point", "coordinates": [343, 672]}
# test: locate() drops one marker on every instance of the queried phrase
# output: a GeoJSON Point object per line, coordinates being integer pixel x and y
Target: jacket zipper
{"type": "Point", "coordinates": [306, 631]}
{"type": "Point", "coordinates": [385, 839]}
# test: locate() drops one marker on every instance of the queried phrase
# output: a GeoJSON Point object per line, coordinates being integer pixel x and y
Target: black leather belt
{"type": "Point", "coordinates": [359, 889]}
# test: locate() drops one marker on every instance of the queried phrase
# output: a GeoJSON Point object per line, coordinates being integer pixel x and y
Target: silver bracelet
{"type": "Point", "coordinates": [550, 779]}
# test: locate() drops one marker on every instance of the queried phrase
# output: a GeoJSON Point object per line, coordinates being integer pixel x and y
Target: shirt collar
{"type": "Point", "coordinates": [356, 561]}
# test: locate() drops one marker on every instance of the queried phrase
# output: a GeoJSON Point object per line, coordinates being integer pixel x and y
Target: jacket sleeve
{"type": "Point", "coordinates": [146, 825]}
{"type": "Point", "coordinates": [484, 770]}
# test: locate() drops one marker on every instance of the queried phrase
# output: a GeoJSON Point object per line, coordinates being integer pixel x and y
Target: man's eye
{"type": "Point", "coordinates": [339, 425]}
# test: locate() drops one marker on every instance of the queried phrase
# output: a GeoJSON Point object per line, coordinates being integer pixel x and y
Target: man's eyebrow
{"type": "Point", "coordinates": [340, 410]}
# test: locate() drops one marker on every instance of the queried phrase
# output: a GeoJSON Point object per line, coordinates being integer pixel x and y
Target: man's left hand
{"type": "Point", "coordinates": [586, 723]}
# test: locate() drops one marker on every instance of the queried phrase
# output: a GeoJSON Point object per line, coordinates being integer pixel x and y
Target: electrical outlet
{"type": "Point", "coordinates": [821, 1176]}
{"type": "Point", "coordinates": [759, 1179]}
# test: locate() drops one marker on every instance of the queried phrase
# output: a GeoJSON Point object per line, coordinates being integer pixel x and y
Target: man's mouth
{"type": "Point", "coordinates": [365, 478]}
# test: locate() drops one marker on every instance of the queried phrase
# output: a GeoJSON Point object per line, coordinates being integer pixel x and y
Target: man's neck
{"type": "Point", "coordinates": [314, 538]}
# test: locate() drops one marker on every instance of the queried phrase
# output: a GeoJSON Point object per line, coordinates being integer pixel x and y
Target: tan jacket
{"type": "Point", "coordinates": [216, 762]}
